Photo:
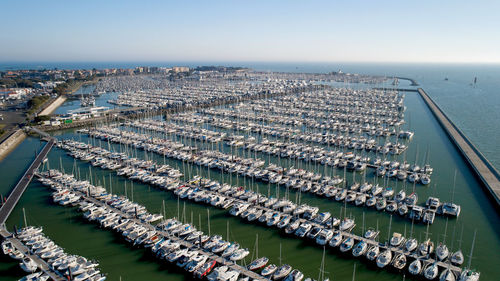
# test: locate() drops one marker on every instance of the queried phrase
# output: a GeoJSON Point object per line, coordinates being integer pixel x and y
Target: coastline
{"type": "Point", "coordinates": [53, 106]}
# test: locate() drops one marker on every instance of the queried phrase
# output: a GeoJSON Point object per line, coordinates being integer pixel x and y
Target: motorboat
{"type": "Point", "coordinates": [373, 252]}
{"type": "Point", "coordinates": [347, 244]}
{"type": "Point", "coordinates": [336, 239]}
{"type": "Point", "coordinates": [360, 249]}
{"type": "Point", "coordinates": [295, 275]}
{"type": "Point", "coordinates": [371, 233]}
{"type": "Point", "coordinates": [397, 239]}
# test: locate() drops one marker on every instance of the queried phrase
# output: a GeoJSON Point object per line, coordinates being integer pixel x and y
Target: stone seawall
{"type": "Point", "coordinates": [53, 106]}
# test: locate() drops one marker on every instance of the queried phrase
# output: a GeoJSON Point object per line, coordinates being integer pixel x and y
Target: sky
{"type": "Point", "coordinates": [254, 31]}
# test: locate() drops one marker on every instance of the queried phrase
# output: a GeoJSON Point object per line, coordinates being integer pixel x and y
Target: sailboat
{"type": "Point", "coordinates": [258, 263]}
{"type": "Point", "coordinates": [457, 258]}
{"type": "Point", "coordinates": [469, 274]}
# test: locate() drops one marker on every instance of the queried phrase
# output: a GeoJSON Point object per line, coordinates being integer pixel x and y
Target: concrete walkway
{"type": "Point", "coordinates": [19, 189]}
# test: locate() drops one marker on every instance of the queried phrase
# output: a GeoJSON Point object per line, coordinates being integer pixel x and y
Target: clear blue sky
{"type": "Point", "coordinates": [298, 31]}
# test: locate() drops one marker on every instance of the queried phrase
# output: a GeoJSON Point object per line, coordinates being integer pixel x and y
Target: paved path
{"type": "Point", "coordinates": [19, 189]}
{"type": "Point", "coordinates": [482, 167]}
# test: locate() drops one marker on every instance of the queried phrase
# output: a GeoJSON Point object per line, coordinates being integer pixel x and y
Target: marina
{"type": "Point", "coordinates": [202, 149]}
{"type": "Point", "coordinates": [258, 205]}
{"type": "Point", "coordinates": [327, 187]}
{"type": "Point", "coordinates": [249, 141]}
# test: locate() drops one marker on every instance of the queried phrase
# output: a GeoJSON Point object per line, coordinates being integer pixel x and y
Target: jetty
{"type": "Point", "coordinates": [87, 197]}
{"type": "Point", "coordinates": [20, 187]}
{"type": "Point", "coordinates": [484, 170]}
{"type": "Point", "coordinates": [42, 265]}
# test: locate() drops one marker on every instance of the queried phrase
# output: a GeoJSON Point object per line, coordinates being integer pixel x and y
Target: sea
{"type": "Point", "coordinates": [473, 107]}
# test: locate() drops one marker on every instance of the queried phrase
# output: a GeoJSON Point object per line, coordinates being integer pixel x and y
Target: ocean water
{"type": "Point", "coordinates": [120, 261]}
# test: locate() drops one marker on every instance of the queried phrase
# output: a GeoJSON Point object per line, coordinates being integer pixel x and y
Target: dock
{"type": "Point", "coordinates": [20, 187]}
{"type": "Point", "coordinates": [221, 261]}
{"type": "Point", "coordinates": [42, 265]}
{"type": "Point", "coordinates": [484, 170]}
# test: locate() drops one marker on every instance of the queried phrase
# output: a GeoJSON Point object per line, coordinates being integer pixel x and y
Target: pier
{"type": "Point", "coordinates": [483, 169]}
{"type": "Point", "coordinates": [19, 189]}
{"type": "Point", "coordinates": [412, 81]}
{"type": "Point", "coordinates": [221, 261]}
{"type": "Point", "coordinates": [42, 265]}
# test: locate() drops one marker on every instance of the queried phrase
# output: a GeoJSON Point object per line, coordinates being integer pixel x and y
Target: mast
{"type": "Point", "coordinates": [24, 216]}
{"type": "Point", "coordinates": [354, 272]}
{"type": "Point", "coordinates": [256, 245]}
{"type": "Point", "coordinates": [472, 249]}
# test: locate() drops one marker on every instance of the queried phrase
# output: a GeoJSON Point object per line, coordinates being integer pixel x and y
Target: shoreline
{"type": "Point", "coordinates": [53, 106]}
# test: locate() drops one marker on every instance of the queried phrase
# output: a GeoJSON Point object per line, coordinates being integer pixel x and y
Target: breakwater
{"type": "Point", "coordinates": [53, 106]}
{"type": "Point", "coordinates": [483, 169]}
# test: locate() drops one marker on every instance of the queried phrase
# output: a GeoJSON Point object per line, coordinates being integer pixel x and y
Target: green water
{"type": "Point", "coordinates": [67, 228]}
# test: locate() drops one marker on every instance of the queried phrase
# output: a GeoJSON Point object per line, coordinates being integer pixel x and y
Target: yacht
{"type": "Point", "coordinates": [347, 244]}
{"type": "Point", "coordinates": [324, 236]}
{"type": "Point", "coordinates": [360, 249]}
{"type": "Point", "coordinates": [469, 275]}
{"type": "Point", "coordinates": [28, 265]}
{"type": "Point", "coordinates": [336, 239]}
{"type": "Point", "coordinates": [373, 252]}
{"type": "Point", "coordinates": [371, 233]}
{"type": "Point", "coordinates": [457, 258]}
{"type": "Point", "coordinates": [282, 271]}
{"type": "Point", "coordinates": [442, 252]}
{"type": "Point", "coordinates": [399, 261]}
{"type": "Point", "coordinates": [258, 263]}
{"type": "Point", "coordinates": [384, 258]}
{"type": "Point", "coordinates": [411, 244]}
{"type": "Point", "coordinates": [415, 267]}
{"type": "Point", "coordinates": [397, 239]}
{"type": "Point", "coordinates": [431, 271]}
{"type": "Point", "coordinates": [269, 270]}
{"type": "Point", "coordinates": [447, 275]}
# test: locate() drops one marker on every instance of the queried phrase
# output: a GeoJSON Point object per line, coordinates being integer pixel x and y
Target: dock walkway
{"type": "Point", "coordinates": [219, 259]}
{"type": "Point", "coordinates": [42, 265]}
{"type": "Point", "coordinates": [489, 176]}
{"type": "Point", "coordinates": [19, 189]}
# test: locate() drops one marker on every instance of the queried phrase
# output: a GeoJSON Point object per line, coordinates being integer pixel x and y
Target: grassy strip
{"type": "Point", "coordinates": [35, 103]}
